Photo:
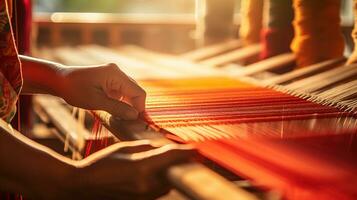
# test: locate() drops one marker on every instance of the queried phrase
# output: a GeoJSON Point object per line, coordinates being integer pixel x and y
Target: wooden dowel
{"type": "Point", "coordinates": [211, 50]}
{"type": "Point", "coordinates": [233, 56]}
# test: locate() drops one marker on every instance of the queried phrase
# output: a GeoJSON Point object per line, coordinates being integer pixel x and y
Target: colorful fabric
{"type": "Point", "coordinates": [21, 27]}
{"type": "Point", "coordinates": [10, 67]}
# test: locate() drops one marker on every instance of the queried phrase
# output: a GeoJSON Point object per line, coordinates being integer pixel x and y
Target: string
{"type": "Point", "coordinates": [286, 143]}
{"type": "Point", "coordinates": [254, 149]}
{"type": "Point", "coordinates": [100, 139]}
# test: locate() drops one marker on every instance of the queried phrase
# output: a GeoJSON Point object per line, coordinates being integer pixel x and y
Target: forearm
{"type": "Point", "coordinates": [31, 169]}
{"type": "Point", "coordinates": [41, 76]}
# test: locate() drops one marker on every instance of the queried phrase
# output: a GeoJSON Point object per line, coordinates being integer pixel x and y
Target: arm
{"type": "Point", "coordinates": [101, 87]}
{"type": "Point", "coordinates": [28, 167]}
{"type": "Point", "coordinates": [123, 170]}
{"type": "Point", "coordinates": [126, 169]}
{"type": "Point", "coordinates": [41, 76]}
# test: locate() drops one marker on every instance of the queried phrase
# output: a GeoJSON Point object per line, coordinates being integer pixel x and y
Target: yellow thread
{"type": "Point", "coordinates": [251, 21]}
{"type": "Point", "coordinates": [317, 31]}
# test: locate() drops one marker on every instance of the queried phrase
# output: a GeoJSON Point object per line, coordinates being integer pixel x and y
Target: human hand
{"type": "Point", "coordinates": [129, 170]}
{"type": "Point", "coordinates": [103, 87]}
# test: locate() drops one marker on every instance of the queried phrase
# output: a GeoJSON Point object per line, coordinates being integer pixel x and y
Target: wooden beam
{"type": "Point", "coordinates": [52, 111]}
{"type": "Point", "coordinates": [268, 64]}
{"type": "Point", "coordinates": [167, 61]}
{"type": "Point", "coordinates": [233, 56]}
{"type": "Point", "coordinates": [197, 69]}
{"type": "Point", "coordinates": [211, 50]}
{"type": "Point", "coordinates": [305, 72]}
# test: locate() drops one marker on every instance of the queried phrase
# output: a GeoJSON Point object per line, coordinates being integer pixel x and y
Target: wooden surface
{"type": "Point", "coordinates": [269, 64]}
{"type": "Point", "coordinates": [211, 50]}
{"type": "Point", "coordinates": [257, 70]}
{"type": "Point", "coordinates": [52, 111]}
{"type": "Point", "coordinates": [239, 54]}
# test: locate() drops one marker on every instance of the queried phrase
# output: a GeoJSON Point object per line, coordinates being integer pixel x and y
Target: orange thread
{"type": "Point", "coordinates": [317, 31]}
{"type": "Point", "coordinates": [353, 56]}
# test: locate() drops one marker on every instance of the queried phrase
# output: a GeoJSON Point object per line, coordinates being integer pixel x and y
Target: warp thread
{"type": "Point", "coordinates": [100, 141]}
{"type": "Point", "coordinates": [200, 114]}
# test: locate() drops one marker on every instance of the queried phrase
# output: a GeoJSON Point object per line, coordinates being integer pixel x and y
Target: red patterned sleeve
{"type": "Point", "coordinates": [10, 67]}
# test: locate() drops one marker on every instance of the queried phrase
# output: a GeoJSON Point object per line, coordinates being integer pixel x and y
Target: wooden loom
{"type": "Point", "coordinates": [114, 126]}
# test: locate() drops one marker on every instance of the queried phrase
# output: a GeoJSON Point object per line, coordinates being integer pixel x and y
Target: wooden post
{"type": "Point", "coordinates": [114, 35]}
{"type": "Point", "coordinates": [87, 37]}
{"type": "Point", "coordinates": [214, 21]}
{"type": "Point", "coordinates": [55, 35]}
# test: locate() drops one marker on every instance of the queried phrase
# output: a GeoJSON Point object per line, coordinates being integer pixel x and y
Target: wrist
{"type": "Point", "coordinates": [60, 82]}
{"type": "Point", "coordinates": [42, 76]}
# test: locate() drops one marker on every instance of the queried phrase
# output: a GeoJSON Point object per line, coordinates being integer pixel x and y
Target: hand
{"type": "Point", "coordinates": [129, 170]}
{"type": "Point", "coordinates": [103, 87]}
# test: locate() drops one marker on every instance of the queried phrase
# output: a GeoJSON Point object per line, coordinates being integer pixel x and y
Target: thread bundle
{"type": "Point", "coordinates": [277, 32]}
{"type": "Point", "coordinates": [276, 140]}
{"type": "Point", "coordinates": [317, 31]}
{"type": "Point", "coordinates": [302, 149]}
{"type": "Point", "coordinates": [251, 21]}
{"type": "Point", "coordinates": [233, 105]}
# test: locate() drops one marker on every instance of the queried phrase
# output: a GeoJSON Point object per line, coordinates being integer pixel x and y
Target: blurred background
{"type": "Point", "coordinates": [162, 25]}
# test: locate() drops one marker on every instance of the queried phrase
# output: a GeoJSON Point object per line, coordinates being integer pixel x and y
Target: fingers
{"type": "Point", "coordinates": [130, 90]}
{"type": "Point", "coordinates": [119, 109]}
{"type": "Point", "coordinates": [135, 94]}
